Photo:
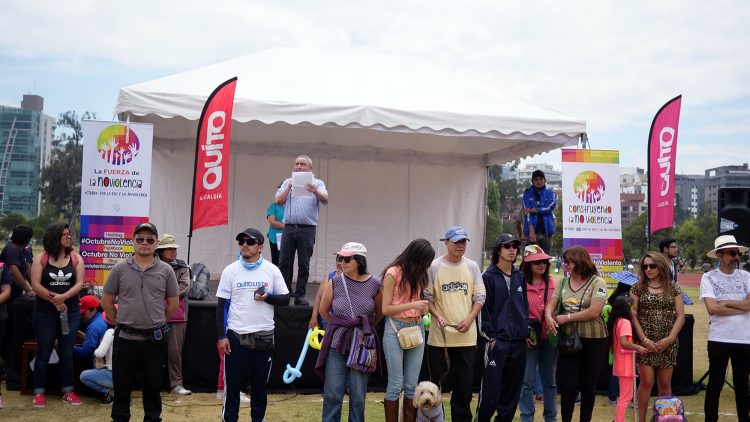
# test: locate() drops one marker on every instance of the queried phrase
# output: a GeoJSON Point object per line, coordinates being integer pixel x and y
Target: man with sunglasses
{"type": "Point", "coordinates": [249, 289]}
{"type": "Point", "coordinates": [726, 293]}
{"type": "Point", "coordinates": [455, 295]}
{"type": "Point", "coordinates": [141, 284]}
{"type": "Point", "coordinates": [300, 222]}
{"type": "Point", "coordinates": [505, 317]}
{"type": "Point", "coordinates": [538, 209]}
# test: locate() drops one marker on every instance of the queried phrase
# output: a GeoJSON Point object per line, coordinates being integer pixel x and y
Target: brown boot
{"type": "Point", "coordinates": [410, 412]}
{"type": "Point", "coordinates": [391, 410]}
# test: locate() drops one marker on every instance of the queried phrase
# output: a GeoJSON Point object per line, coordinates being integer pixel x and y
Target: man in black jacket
{"type": "Point", "coordinates": [505, 327]}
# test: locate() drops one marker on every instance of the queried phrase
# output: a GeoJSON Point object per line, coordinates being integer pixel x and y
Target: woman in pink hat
{"type": "Point", "coordinates": [539, 290]}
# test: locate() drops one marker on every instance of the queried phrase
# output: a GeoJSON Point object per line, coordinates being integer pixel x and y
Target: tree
{"type": "Point", "coordinates": [503, 198]}
{"type": "Point", "coordinates": [61, 180]}
{"type": "Point", "coordinates": [10, 221]}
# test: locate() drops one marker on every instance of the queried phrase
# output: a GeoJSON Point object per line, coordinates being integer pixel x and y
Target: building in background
{"type": "Point", "coordinates": [689, 192]}
{"type": "Point", "coordinates": [724, 177]}
{"type": "Point", "coordinates": [26, 135]}
{"type": "Point", "coordinates": [551, 174]}
{"type": "Point", "coordinates": [633, 190]}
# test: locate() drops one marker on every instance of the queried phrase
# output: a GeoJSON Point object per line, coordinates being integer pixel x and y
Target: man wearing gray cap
{"type": "Point", "coordinates": [248, 290]}
{"type": "Point", "coordinates": [455, 294]}
{"type": "Point", "coordinates": [141, 284]}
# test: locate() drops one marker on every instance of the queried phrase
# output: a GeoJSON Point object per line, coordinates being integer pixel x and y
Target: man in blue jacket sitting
{"type": "Point", "coordinates": [538, 206]}
{"type": "Point", "coordinates": [95, 328]}
{"type": "Point", "coordinates": [505, 327]}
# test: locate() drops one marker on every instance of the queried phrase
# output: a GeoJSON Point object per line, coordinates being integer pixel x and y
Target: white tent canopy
{"type": "Point", "coordinates": [405, 140]}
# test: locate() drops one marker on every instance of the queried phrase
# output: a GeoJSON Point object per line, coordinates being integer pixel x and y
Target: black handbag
{"type": "Point", "coordinates": [569, 341]}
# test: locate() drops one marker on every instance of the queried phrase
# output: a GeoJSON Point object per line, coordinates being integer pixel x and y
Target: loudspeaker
{"type": "Point", "coordinates": [734, 213]}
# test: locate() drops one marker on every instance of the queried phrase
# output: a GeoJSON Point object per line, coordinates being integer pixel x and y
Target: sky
{"type": "Point", "coordinates": [611, 63]}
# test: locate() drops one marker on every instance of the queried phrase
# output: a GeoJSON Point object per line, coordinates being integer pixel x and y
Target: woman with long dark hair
{"type": "Point", "coordinates": [540, 288]}
{"type": "Point", "coordinates": [56, 277]}
{"type": "Point", "coordinates": [583, 295]}
{"type": "Point", "coordinates": [404, 280]}
{"type": "Point", "coordinates": [661, 314]}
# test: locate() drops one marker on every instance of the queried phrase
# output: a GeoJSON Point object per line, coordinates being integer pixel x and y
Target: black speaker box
{"type": "Point", "coordinates": [734, 213]}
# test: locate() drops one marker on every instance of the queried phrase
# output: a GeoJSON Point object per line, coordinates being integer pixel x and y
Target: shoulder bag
{"type": "Point", "coordinates": [408, 337]}
{"type": "Point", "coordinates": [569, 340]}
{"type": "Point", "coordinates": [363, 352]}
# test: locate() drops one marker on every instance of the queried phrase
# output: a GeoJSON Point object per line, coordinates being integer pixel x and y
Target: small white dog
{"type": "Point", "coordinates": [429, 402]}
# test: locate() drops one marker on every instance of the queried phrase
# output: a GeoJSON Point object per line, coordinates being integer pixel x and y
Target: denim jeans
{"type": "Point", "coordinates": [333, 389]}
{"type": "Point", "coordinates": [543, 356]}
{"type": "Point", "coordinates": [47, 329]}
{"type": "Point", "coordinates": [99, 380]}
{"type": "Point", "coordinates": [403, 365]}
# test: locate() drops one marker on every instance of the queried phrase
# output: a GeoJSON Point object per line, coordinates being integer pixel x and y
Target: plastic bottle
{"type": "Point", "coordinates": [64, 327]}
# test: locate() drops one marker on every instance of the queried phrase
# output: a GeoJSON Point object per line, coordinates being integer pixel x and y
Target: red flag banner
{"type": "Point", "coordinates": [662, 156]}
{"type": "Point", "coordinates": [211, 180]}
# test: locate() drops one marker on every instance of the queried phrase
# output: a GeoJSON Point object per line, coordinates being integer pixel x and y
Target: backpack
{"type": "Point", "coordinates": [668, 409]}
{"type": "Point", "coordinates": [199, 283]}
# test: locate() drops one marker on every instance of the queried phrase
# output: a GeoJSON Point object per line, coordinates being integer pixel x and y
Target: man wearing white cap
{"type": "Point", "coordinates": [455, 295]}
{"type": "Point", "coordinates": [726, 293]}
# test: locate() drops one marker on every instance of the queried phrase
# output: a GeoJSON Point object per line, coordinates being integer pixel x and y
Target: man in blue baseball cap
{"type": "Point", "coordinates": [455, 295]}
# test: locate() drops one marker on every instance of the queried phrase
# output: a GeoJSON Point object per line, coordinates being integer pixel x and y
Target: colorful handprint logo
{"type": "Point", "coordinates": [117, 148]}
{"type": "Point", "coordinates": [589, 187]}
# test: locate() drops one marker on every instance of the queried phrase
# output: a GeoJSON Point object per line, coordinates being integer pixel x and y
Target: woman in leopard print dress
{"type": "Point", "coordinates": [661, 315]}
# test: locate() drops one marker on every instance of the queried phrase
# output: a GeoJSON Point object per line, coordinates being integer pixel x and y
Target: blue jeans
{"type": "Point", "coordinates": [47, 329]}
{"type": "Point", "coordinates": [544, 355]}
{"type": "Point", "coordinates": [99, 380]}
{"type": "Point", "coordinates": [333, 389]}
{"type": "Point", "coordinates": [403, 365]}
{"type": "Point", "coordinates": [614, 388]}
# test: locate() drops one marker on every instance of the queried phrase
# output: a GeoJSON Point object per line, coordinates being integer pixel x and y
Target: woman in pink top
{"type": "Point", "coordinates": [620, 327]}
{"type": "Point", "coordinates": [539, 288]}
{"type": "Point", "coordinates": [404, 281]}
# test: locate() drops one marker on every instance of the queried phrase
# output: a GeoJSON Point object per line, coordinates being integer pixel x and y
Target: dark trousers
{"type": "Point", "coordinates": [460, 375]}
{"type": "Point", "coordinates": [129, 359]}
{"type": "Point", "coordinates": [580, 372]}
{"type": "Point", "coordinates": [719, 355]}
{"type": "Point", "coordinates": [274, 253]}
{"type": "Point", "coordinates": [237, 366]}
{"type": "Point", "coordinates": [298, 240]}
{"type": "Point", "coordinates": [504, 369]}
{"type": "Point", "coordinates": [47, 329]}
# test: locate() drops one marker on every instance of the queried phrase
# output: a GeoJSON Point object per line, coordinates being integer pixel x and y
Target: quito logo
{"type": "Point", "coordinates": [116, 146]}
{"type": "Point", "coordinates": [213, 147]}
{"type": "Point", "coordinates": [589, 187]}
{"type": "Point", "coordinates": [666, 138]}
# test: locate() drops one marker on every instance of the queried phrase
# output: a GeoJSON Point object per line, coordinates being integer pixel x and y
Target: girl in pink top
{"type": "Point", "coordinates": [620, 327]}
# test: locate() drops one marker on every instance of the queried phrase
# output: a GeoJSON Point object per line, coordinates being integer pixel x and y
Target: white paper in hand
{"type": "Point", "coordinates": [300, 180]}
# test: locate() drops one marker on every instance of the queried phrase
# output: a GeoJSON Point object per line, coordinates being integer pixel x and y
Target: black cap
{"type": "Point", "coordinates": [507, 238]}
{"type": "Point", "coordinates": [251, 233]}
{"type": "Point", "coordinates": [537, 173]}
{"type": "Point", "coordinates": [146, 226]}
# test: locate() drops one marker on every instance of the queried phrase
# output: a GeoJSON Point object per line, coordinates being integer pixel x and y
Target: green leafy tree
{"type": "Point", "coordinates": [10, 221]}
{"type": "Point", "coordinates": [634, 238]}
{"type": "Point", "coordinates": [61, 180]}
{"type": "Point", "coordinates": [503, 198]}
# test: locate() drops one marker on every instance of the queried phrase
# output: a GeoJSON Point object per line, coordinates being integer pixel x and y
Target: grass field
{"type": "Point", "coordinates": [297, 407]}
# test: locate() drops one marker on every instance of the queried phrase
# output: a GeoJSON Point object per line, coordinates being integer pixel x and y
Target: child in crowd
{"type": "Point", "coordinates": [620, 327]}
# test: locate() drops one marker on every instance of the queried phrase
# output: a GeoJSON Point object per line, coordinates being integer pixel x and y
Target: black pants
{"type": "Point", "coordinates": [237, 365]}
{"type": "Point", "coordinates": [580, 372]}
{"type": "Point", "coordinates": [719, 355]}
{"type": "Point", "coordinates": [504, 369]}
{"type": "Point", "coordinates": [129, 359]}
{"type": "Point", "coordinates": [298, 240]}
{"type": "Point", "coordinates": [461, 376]}
{"type": "Point", "coordinates": [274, 253]}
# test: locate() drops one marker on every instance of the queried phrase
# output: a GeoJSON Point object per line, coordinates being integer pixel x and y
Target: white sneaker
{"type": "Point", "coordinates": [244, 398]}
{"type": "Point", "coordinates": [180, 390]}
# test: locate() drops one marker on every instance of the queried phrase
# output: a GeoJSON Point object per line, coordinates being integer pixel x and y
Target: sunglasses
{"type": "Point", "coordinates": [730, 253]}
{"type": "Point", "coordinates": [649, 266]}
{"type": "Point", "coordinates": [540, 262]}
{"type": "Point", "coordinates": [345, 259]}
{"type": "Point", "coordinates": [249, 241]}
{"type": "Point", "coordinates": [510, 246]}
{"type": "Point", "coordinates": [149, 240]}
